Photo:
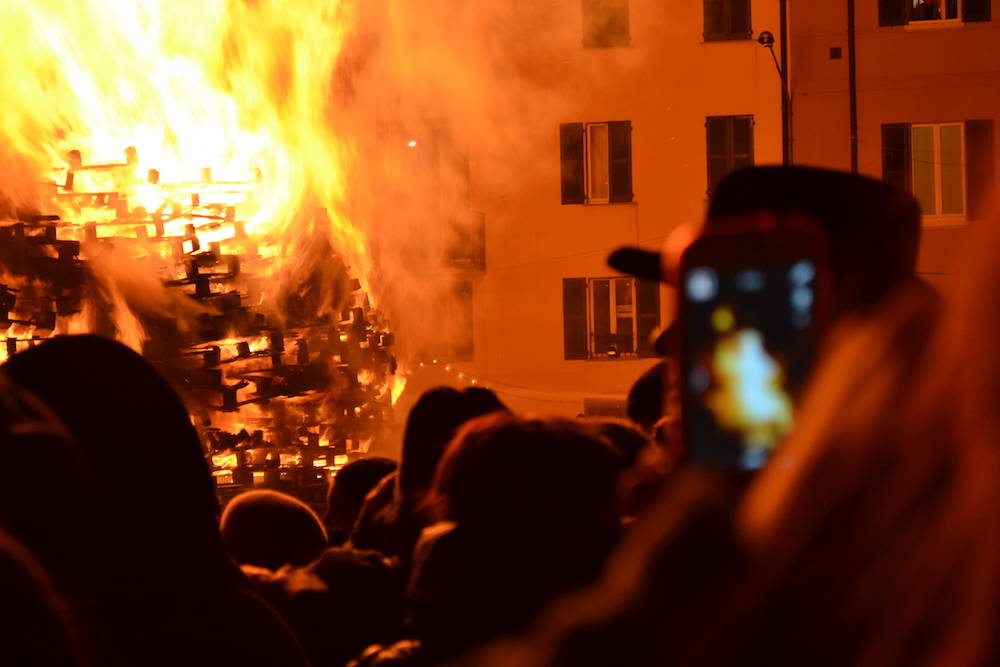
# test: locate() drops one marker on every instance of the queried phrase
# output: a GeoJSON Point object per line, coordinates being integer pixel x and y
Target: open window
{"type": "Point", "coordinates": [948, 167]}
{"type": "Point", "coordinates": [596, 162]}
{"type": "Point", "coordinates": [929, 12]}
{"type": "Point", "coordinates": [610, 318]}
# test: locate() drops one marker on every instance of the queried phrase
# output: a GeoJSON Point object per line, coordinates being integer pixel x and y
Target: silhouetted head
{"type": "Point", "coordinates": [645, 399]}
{"type": "Point", "coordinates": [271, 529]}
{"type": "Point", "coordinates": [432, 422]}
{"type": "Point", "coordinates": [872, 228]}
{"type": "Point", "coordinates": [504, 470]}
{"type": "Point", "coordinates": [627, 440]}
{"type": "Point", "coordinates": [347, 494]}
{"type": "Point", "coordinates": [47, 497]}
{"type": "Point", "coordinates": [38, 627]}
{"type": "Point", "coordinates": [156, 505]}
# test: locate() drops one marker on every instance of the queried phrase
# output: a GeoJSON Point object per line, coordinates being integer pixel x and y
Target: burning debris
{"type": "Point", "coordinates": [288, 373]}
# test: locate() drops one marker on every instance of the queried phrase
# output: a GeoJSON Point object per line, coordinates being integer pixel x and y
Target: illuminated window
{"type": "Point", "coordinates": [610, 318]}
{"type": "Point", "coordinates": [901, 12]}
{"type": "Point", "coordinates": [605, 23]}
{"type": "Point", "coordinates": [729, 140]}
{"type": "Point", "coordinates": [934, 10]}
{"type": "Point", "coordinates": [727, 20]}
{"type": "Point", "coordinates": [948, 167]}
{"type": "Point", "coordinates": [937, 169]}
{"type": "Point", "coordinates": [596, 162]}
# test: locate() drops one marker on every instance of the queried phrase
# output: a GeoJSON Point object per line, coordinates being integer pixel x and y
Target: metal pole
{"type": "Point", "coordinates": [852, 74]}
{"type": "Point", "coordinates": [786, 101]}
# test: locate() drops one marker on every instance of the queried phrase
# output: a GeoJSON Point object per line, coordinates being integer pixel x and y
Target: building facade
{"type": "Point", "coordinates": [651, 102]}
{"type": "Point", "coordinates": [927, 97]}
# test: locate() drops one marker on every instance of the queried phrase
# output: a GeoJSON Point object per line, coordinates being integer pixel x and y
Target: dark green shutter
{"type": "Point", "coordinates": [979, 167]}
{"type": "Point", "coordinates": [717, 142]}
{"type": "Point", "coordinates": [463, 348]}
{"type": "Point", "coordinates": [742, 147]}
{"type": "Point", "coordinates": [575, 318]}
{"type": "Point", "coordinates": [739, 19]}
{"type": "Point", "coordinates": [729, 142]}
{"type": "Point", "coordinates": [715, 20]}
{"type": "Point", "coordinates": [620, 158]}
{"type": "Point", "coordinates": [896, 156]}
{"type": "Point", "coordinates": [571, 159]}
{"type": "Point", "coordinates": [976, 10]}
{"type": "Point", "coordinates": [648, 315]}
{"type": "Point", "coordinates": [893, 12]}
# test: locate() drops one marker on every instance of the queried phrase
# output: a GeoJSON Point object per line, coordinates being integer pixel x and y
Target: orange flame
{"type": "Point", "coordinates": [233, 92]}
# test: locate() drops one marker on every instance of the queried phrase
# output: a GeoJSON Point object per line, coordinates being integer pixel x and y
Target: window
{"type": "Point", "coordinates": [610, 318]}
{"type": "Point", "coordinates": [730, 146]}
{"type": "Point", "coordinates": [596, 162]}
{"type": "Point", "coordinates": [605, 23]}
{"type": "Point", "coordinates": [727, 20]}
{"type": "Point", "coordinates": [901, 12]}
{"type": "Point", "coordinates": [453, 322]}
{"type": "Point", "coordinates": [938, 174]}
{"type": "Point", "coordinates": [948, 167]}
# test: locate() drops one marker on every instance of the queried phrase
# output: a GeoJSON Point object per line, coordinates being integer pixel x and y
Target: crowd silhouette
{"type": "Point", "coordinates": [508, 539]}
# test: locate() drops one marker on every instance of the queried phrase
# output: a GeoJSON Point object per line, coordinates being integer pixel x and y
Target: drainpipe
{"type": "Point", "coordinates": [786, 101]}
{"type": "Point", "coordinates": [852, 75]}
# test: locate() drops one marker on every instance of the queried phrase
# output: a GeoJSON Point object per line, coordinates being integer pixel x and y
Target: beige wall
{"type": "Point", "coordinates": [914, 73]}
{"type": "Point", "coordinates": [666, 83]}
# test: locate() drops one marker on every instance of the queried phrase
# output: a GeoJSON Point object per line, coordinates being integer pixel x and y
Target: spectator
{"type": "Point", "coordinates": [627, 440]}
{"type": "Point", "coordinates": [347, 493]}
{"type": "Point", "coordinates": [38, 626]}
{"type": "Point", "coordinates": [166, 591]}
{"type": "Point", "coordinates": [390, 521]}
{"type": "Point", "coordinates": [271, 529]}
{"type": "Point", "coordinates": [338, 605]}
{"type": "Point", "coordinates": [528, 512]}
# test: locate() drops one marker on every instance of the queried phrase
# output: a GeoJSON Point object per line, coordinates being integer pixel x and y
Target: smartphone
{"type": "Point", "coordinates": [753, 296]}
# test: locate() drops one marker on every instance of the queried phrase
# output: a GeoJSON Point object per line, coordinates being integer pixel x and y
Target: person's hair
{"type": "Point", "coordinates": [356, 479]}
{"type": "Point", "coordinates": [271, 529]}
{"type": "Point", "coordinates": [430, 426]}
{"type": "Point", "coordinates": [156, 521]}
{"type": "Point", "coordinates": [626, 438]}
{"type": "Point", "coordinates": [644, 405]}
{"type": "Point", "coordinates": [502, 469]}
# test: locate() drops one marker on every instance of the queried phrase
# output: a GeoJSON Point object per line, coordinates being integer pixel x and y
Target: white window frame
{"type": "Point", "coordinates": [936, 22]}
{"type": "Point", "coordinates": [587, 162]}
{"type": "Point", "coordinates": [936, 218]}
{"type": "Point", "coordinates": [613, 310]}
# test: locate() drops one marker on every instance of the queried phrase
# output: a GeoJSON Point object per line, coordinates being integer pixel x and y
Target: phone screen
{"type": "Point", "coordinates": [749, 341]}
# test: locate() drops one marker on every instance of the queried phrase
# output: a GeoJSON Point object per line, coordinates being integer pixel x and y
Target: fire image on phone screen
{"type": "Point", "coordinates": [749, 341]}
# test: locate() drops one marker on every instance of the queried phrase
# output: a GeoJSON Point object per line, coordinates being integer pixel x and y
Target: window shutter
{"type": "Point", "coordinates": [647, 314]}
{"type": "Point", "coordinates": [976, 10]}
{"type": "Point", "coordinates": [717, 142]}
{"type": "Point", "coordinates": [896, 159]}
{"type": "Point", "coordinates": [979, 165]}
{"type": "Point", "coordinates": [620, 160]}
{"type": "Point", "coordinates": [739, 19]}
{"type": "Point", "coordinates": [715, 20]}
{"type": "Point", "coordinates": [742, 128]}
{"type": "Point", "coordinates": [605, 23]}
{"type": "Point", "coordinates": [571, 157]}
{"type": "Point", "coordinates": [575, 318]}
{"type": "Point", "coordinates": [462, 338]}
{"type": "Point", "coordinates": [893, 12]}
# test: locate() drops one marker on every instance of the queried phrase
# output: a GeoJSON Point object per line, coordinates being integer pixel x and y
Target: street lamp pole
{"type": "Point", "coordinates": [766, 39]}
